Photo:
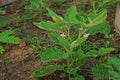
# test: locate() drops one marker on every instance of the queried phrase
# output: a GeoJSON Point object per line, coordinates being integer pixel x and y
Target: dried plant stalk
{"type": "Point", "coordinates": [117, 18]}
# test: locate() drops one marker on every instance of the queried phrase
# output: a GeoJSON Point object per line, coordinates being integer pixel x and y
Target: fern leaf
{"type": "Point", "coordinates": [6, 37]}
{"type": "Point", "coordinates": [1, 49]}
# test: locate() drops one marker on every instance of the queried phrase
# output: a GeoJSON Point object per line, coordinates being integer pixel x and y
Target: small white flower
{"type": "Point", "coordinates": [63, 35]}
{"type": "Point", "coordinates": [86, 35]}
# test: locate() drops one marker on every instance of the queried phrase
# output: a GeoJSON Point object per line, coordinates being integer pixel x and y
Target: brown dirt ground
{"type": "Point", "coordinates": [19, 63]}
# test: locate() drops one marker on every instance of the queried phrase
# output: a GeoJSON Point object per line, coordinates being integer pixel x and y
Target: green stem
{"type": "Point", "coordinates": [40, 13]}
{"type": "Point", "coordinates": [81, 33]}
{"type": "Point", "coordinates": [94, 8]}
{"type": "Point", "coordinates": [68, 32]}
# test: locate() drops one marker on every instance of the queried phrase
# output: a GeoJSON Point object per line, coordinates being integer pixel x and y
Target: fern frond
{"type": "Point", "coordinates": [6, 37]}
{"type": "Point", "coordinates": [1, 49]}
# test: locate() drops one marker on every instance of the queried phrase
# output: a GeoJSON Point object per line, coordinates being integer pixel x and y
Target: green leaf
{"type": "Point", "coordinates": [53, 54]}
{"type": "Point", "coordinates": [28, 16]}
{"type": "Point", "coordinates": [71, 70]}
{"type": "Point", "coordinates": [2, 11]}
{"type": "Point", "coordinates": [104, 51]}
{"type": "Point", "coordinates": [70, 16]}
{"type": "Point", "coordinates": [4, 21]}
{"type": "Point", "coordinates": [81, 18]}
{"type": "Point", "coordinates": [62, 41]}
{"type": "Point", "coordinates": [94, 17]}
{"type": "Point", "coordinates": [59, 2]}
{"type": "Point", "coordinates": [108, 3]}
{"type": "Point", "coordinates": [50, 26]}
{"type": "Point", "coordinates": [6, 37]}
{"type": "Point", "coordinates": [34, 4]}
{"type": "Point", "coordinates": [92, 53]}
{"type": "Point", "coordinates": [80, 62]}
{"type": "Point", "coordinates": [1, 50]}
{"type": "Point", "coordinates": [103, 28]}
{"type": "Point", "coordinates": [78, 78]}
{"type": "Point", "coordinates": [114, 62]}
{"type": "Point", "coordinates": [115, 75]}
{"type": "Point", "coordinates": [63, 75]}
{"type": "Point", "coordinates": [79, 54]}
{"type": "Point", "coordinates": [47, 70]}
{"type": "Point", "coordinates": [101, 71]}
{"type": "Point", "coordinates": [100, 52]}
{"type": "Point", "coordinates": [58, 19]}
{"type": "Point", "coordinates": [78, 42]}
{"type": "Point", "coordinates": [80, 57]}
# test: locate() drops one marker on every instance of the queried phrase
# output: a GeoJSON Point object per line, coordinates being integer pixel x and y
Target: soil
{"type": "Point", "coordinates": [19, 63]}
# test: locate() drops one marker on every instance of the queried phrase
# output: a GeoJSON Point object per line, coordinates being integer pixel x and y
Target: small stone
{"type": "Point", "coordinates": [0, 60]}
{"type": "Point", "coordinates": [22, 44]}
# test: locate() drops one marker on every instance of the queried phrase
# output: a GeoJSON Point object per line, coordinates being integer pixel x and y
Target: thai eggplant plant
{"type": "Point", "coordinates": [35, 8]}
{"type": "Point", "coordinates": [69, 33]}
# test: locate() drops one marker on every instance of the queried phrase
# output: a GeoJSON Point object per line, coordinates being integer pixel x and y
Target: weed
{"type": "Point", "coordinates": [35, 8]}
{"type": "Point", "coordinates": [5, 37]}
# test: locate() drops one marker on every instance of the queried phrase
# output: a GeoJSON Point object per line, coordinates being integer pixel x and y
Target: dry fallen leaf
{"type": "Point", "coordinates": [22, 44]}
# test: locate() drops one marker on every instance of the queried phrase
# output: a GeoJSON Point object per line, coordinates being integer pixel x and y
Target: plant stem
{"type": "Point", "coordinates": [81, 33]}
{"type": "Point", "coordinates": [93, 4]}
{"type": "Point", "coordinates": [68, 33]}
